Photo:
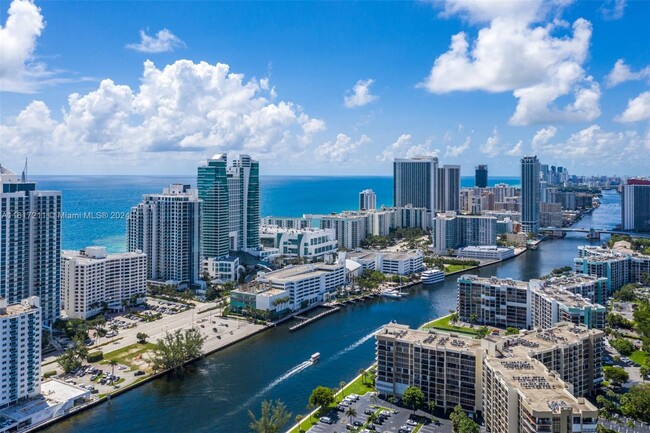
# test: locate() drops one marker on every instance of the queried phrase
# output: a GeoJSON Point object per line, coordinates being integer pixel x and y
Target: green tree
{"type": "Point", "coordinates": [176, 348]}
{"type": "Point", "coordinates": [473, 318]}
{"type": "Point", "coordinates": [413, 397]}
{"type": "Point", "coordinates": [342, 387]}
{"type": "Point", "coordinates": [461, 422]}
{"type": "Point", "coordinates": [272, 418]}
{"type": "Point", "coordinates": [616, 375]}
{"type": "Point", "coordinates": [431, 405]}
{"type": "Point", "coordinates": [142, 337]}
{"type": "Point", "coordinates": [72, 358]}
{"type": "Point", "coordinates": [69, 361]}
{"type": "Point", "coordinates": [512, 330]}
{"type": "Point", "coordinates": [627, 293]}
{"type": "Point", "coordinates": [636, 402]}
{"type": "Point", "coordinates": [623, 345]}
{"type": "Point", "coordinates": [453, 316]}
{"type": "Point", "coordinates": [321, 396]}
{"type": "Point", "coordinates": [350, 412]}
{"type": "Point", "coordinates": [482, 332]}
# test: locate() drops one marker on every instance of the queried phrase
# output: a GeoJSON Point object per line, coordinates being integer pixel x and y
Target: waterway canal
{"type": "Point", "coordinates": [215, 394]}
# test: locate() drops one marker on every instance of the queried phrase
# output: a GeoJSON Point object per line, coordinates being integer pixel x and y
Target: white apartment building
{"type": "Point", "coordinates": [20, 350]}
{"type": "Point", "coordinates": [166, 227]}
{"type": "Point", "coordinates": [521, 395]}
{"type": "Point", "coordinates": [451, 231]}
{"type": "Point", "coordinates": [551, 304]}
{"type": "Point", "coordinates": [307, 243]}
{"type": "Point", "coordinates": [491, 252]}
{"type": "Point", "coordinates": [500, 302]}
{"type": "Point", "coordinates": [305, 284]}
{"type": "Point", "coordinates": [386, 262]}
{"type": "Point", "coordinates": [367, 200]}
{"type": "Point", "coordinates": [92, 279]}
{"type": "Point", "coordinates": [350, 228]}
{"type": "Point", "coordinates": [221, 268]}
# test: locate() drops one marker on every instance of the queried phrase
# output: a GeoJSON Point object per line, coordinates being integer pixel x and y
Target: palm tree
{"type": "Point", "coordinates": [115, 328]}
{"type": "Point", "coordinates": [362, 372]}
{"type": "Point", "coordinates": [351, 413]}
{"type": "Point", "coordinates": [112, 363]}
{"type": "Point", "coordinates": [342, 387]}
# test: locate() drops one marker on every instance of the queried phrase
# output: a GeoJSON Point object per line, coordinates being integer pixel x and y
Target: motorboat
{"type": "Point", "coordinates": [315, 357]}
{"type": "Point", "coordinates": [391, 294]}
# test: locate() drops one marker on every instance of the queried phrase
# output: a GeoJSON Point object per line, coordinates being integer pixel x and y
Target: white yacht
{"type": "Point", "coordinates": [432, 276]}
{"type": "Point", "coordinates": [391, 294]}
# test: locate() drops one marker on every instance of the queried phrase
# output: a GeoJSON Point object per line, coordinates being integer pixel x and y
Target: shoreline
{"type": "Point", "coordinates": [154, 376]}
{"type": "Point", "coordinates": [142, 381]}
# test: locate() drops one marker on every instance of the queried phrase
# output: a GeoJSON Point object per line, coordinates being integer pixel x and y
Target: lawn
{"type": "Point", "coordinates": [443, 324]}
{"type": "Point", "coordinates": [355, 387]}
{"type": "Point", "coordinates": [456, 268]}
{"type": "Point", "coordinates": [638, 357]}
{"type": "Point", "coordinates": [126, 355]}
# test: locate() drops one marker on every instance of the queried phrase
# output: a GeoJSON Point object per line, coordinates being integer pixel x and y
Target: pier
{"type": "Point", "coordinates": [307, 321]}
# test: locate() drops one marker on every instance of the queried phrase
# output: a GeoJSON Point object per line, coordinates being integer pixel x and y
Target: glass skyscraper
{"type": "Point", "coordinates": [230, 216]}
{"type": "Point", "coordinates": [414, 183]}
{"type": "Point", "coordinates": [530, 194]}
{"type": "Point", "coordinates": [30, 247]}
{"type": "Point", "coordinates": [481, 176]}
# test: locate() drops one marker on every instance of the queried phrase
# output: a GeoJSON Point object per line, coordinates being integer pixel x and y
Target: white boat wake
{"type": "Point", "coordinates": [356, 344]}
{"type": "Point", "coordinates": [293, 371]}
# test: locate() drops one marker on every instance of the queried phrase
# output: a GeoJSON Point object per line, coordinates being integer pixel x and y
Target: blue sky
{"type": "Point", "coordinates": [324, 87]}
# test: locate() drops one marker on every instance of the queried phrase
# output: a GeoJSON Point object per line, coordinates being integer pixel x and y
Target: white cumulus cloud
{"type": "Point", "coordinates": [622, 72]}
{"type": "Point", "coordinates": [492, 146]}
{"type": "Point", "coordinates": [613, 9]}
{"type": "Point", "coordinates": [637, 109]}
{"type": "Point", "coordinates": [164, 41]}
{"type": "Point", "coordinates": [537, 63]}
{"type": "Point", "coordinates": [543, 136]}
{"type": "Point", "coordinates": [516, 149]}
{"type": "Point", "coordinates": [403, 147]}
{"type": "Point", "coordinates": [453, 151]}
{"type": "Point", "coordinates": [18, 70]}
{"type": "Point", "coordinates": [360, 94]}
{"type": "Point", "coordinates": [340, 149]}
{"type": "Point", "coordinates": [185, 107]}
{"type": "Point", "coordinates": [591, 145]}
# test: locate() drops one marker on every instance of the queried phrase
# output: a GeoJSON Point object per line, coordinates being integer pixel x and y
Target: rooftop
{"type": "Point", "coordinates": [273, 229]}
{"type": "Point", "coordinates": [563, 333]}
{"type": "Point", "coordinates": [82, 258]}
{"type": "Point", "coordinates": [53, 392]}
{"type": "Point", "coordinates": [299, 272]}
{"type": "Point", "coordinates": [541, 389]}
{"type": "Point", "coordinates": [430, 338]}
{"type": "Point", "coordinates": [25, 306]}
{"type": "Point", "coordinates": [495, 281]}
{"type": "Point", "coordinates": [562, 296]}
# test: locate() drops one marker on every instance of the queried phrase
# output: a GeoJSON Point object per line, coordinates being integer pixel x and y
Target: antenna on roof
{"type": "Point", "coordinates": [24, 175]}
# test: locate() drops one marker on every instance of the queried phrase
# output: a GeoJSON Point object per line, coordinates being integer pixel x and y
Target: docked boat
{"type": "Point", "coordinates": [391, 294]}
{"type": "Point", "coordinates": [432, 276]}
{"type": "Point", "coordinates": [314, 358]}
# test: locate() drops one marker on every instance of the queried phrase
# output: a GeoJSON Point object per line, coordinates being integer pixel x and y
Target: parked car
{"type": "Point", "coordinates": [326, 420]}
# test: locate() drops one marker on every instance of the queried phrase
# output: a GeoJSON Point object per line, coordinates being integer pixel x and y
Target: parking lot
{"type": "Point", "coordinates": [393, 419]}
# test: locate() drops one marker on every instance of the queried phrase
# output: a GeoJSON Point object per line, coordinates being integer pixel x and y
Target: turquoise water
{"type": "Point", "coordinates": [113, 196]}
{"type": "Point", "coordinates": [214, 395]}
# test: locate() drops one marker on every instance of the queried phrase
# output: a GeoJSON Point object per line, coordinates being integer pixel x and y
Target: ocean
{"type": "Point", "coordinates": [113, 196]}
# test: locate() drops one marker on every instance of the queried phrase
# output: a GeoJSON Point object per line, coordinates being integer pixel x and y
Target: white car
{"type": "Point", "coordinates": [326, 420]}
